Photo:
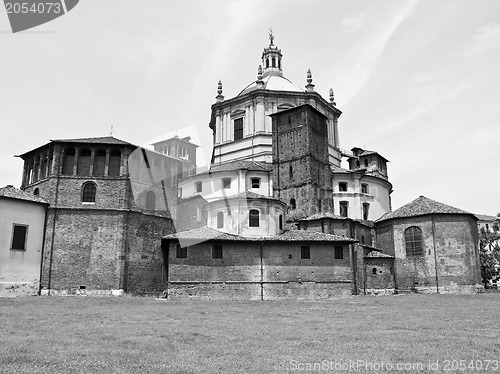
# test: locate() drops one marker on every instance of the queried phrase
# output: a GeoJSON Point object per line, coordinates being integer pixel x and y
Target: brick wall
{"type": "Point", "coordinates": [255, 271]}
{"type": "Point", "coordinates": [449, 251]}
{"type": "Point", "coordinates": [300, 161]}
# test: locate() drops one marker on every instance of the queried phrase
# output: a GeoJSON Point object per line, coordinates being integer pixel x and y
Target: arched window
{"type": "Point", "coordinates": [253, 218]}
{"type": "Point", "coordinates": [43, 167]}
{"type": "Point", "coordinates": [279, 63]}
{"type": "Point", "coordinates": [273, 62]}
{"type": "Point", "coordinates": [413, 240]}
{"type": "Point", "coordinates": [150, 200]}
{"type": "Point", "coordinates": [29, 175]}
{"type": "Point", "coordinates": [374, 271]}
{"type": "Point", "coordinates": [83, 166]}
{"type": "Point", "coordinates": [220, 220]}
{"type": "Point", "coordinates": [267, 62]}
{"type": "Point", "coordinates": [68, 161]}
{"type": "Point", "coordinates": [36, 192]}
{"type": "Point", "coordinates": [50, 160]}
{"type": "Point", "coordinates": [36, 169]}
{"type": "Point", "coordinates": [99, 162]}
{"type": "Point", "coordinates": [114, 163]}
{"type": "Point", "coordinates": [293, 205]}
{"type": "Point", "coordinates": [280, 222]}
{"type": "Point", "coordinates": [290, 171]}
{"type": "Point", "coordinates": [88, 192]}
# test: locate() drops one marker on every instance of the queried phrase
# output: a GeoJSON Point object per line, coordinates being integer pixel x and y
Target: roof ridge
{"type": "Point", "coordinates": [422, 206]}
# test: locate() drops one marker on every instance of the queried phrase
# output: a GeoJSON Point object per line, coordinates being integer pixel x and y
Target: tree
{"type": "Point", "coordinates": [489, 252]}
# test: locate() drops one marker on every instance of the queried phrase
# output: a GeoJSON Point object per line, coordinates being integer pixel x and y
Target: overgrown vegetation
{"type": "Point", "coordinates": [143, 335]}
{"type": "Point", "coordinates": [489, 252]}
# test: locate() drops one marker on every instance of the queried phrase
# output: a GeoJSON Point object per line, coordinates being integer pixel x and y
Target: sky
{"type": "Point", "coordinates": [418, 81]}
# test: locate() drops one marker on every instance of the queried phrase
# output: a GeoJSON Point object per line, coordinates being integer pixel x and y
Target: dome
{"type": "Point", "coordinates": [273, 83]}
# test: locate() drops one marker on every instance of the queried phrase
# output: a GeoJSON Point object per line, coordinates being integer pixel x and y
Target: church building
{"type": "Point", "coordinates": [275, 216]}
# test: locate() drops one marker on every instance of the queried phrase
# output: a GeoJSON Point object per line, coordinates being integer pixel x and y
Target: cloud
{"type": "Point", "coordinates": [354, 22]}
{"type": "Point", "coordinates": [486, 38]}
{"type": "Point", "coordinates": [366, 56]}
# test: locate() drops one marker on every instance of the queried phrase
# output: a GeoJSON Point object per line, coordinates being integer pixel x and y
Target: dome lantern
{"type": "Point", "coordinates": [271, 58]}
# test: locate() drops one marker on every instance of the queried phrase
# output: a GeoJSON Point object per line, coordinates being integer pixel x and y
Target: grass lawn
{"type": "Point", "coordinates": [143, 335]}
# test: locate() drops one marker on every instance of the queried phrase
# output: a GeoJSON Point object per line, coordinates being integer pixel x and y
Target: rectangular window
{"type": "Point", "coordinates": [305, 252]}
{"type": "Point", "coordinates": [19, 235]}
{"type": "Point", "coordinates": [342, 186]}
{"type": "Point", "coordinates": [226, 183]}
{"type": "Point", "coordinates": [339, 253]}
{"type": "Point", "coordinates": [255, 182]}
{"type": "Point", "coordinates": [198, 186]}
{"type": "Point", "coordinates": [184, 153]}
{"type": "Point", "coordinates": [344, 209]}
{"type": "Point", "coordinates": [238, 128]}
{"type": "Point", "coordinates": [364, 188]}
{"type": "Point", "coordinates": [181, 252]}
{"type": "Point", "coordinates": [220, 220]}
{"type": "Point", "coordinates": [198, 214]}
{"type": "Point", "coordinates": [253, 218]}
{"type": "Point", "coordinates": [216, 251]}
{"type": "Point", "coordinates": [366, 210]}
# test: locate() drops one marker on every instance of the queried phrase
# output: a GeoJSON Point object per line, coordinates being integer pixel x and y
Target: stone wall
{"type": "Point", "coordinates": [449, 251]}
{"type": "Point", "coordinates": [104, 250]}
{"type": "Point", "coordinates": [300, 161]}
{"type": "Point", "coordinates": [258, 271]}
{"type": "Point", "coordinates": [378, 274]}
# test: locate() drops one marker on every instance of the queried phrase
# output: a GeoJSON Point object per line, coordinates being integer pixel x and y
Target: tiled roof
{"type": "Point", "coordinates": [337, 169]}
{"type": "Point", "coordinates": [322, 215]}
{"type": "Point", "coordinates": [15, 193]}
{"type": "Point", "coordinates": [367, 152]}
{"type": "Point", "coordinates": [376, 254]}
{"type": "Point", "coordinates": [420, 207]}
{"type": "Point", "coordinates": [239, 164]}
{"type": "Point", "coordinates": [484, 217]}
{"type": "Point", "coordinates": [207, 233]}
{"type": "Point", "coordinates": [97, 140]}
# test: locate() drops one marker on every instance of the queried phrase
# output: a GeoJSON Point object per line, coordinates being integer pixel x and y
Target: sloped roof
{"type": "Point", "coordinates": [11, 192]}
{"type": "Point", "coordinates": [366, 152]}
{"type": "Point", "coordinates": [484, 217]}
{"type": "Point", "coordinates": [322, 215]}
{"type": "Point", "coordinates": [337, 169]}
{"type": "Point", "coordinates": [97, 140]}
{"type": "Point", "coordinates": [240, 164]}
{"type": "Point", "coordinates": [420, 207]}
{"type": "Point", "coordinates": [110, 140]}
{"type": "Point", "coordinates": [376, 254]}
{"type": "Point", "coordinates": [207, 233]}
